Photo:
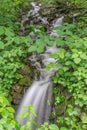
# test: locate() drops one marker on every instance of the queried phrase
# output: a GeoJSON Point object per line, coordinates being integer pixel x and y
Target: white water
{"type": "Point", "coordinates": [39, 93]}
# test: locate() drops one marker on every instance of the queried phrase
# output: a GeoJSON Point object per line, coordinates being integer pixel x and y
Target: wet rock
{"type": "Point", "coordinates": [16, 98]}
{"type": "Point", "coordinates": [16, 94]}
{"type": "Point", "coordinates": [17, 88]}
{"type": "Point", "coordinates": [68, 18]}
{"type": "Point", "coordinates": [25, 70]}
{"type": "Point", "coordinates": [60, 109]}
{"type": "Point", "coordinates": [25, 81]}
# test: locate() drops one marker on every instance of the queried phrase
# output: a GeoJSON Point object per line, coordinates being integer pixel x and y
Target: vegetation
{"type": "Point", "coordinates": [71, 61]}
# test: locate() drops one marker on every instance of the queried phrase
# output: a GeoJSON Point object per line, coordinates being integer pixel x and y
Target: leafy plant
{"type": "Point", "coordinates": [47, 126]}
{"type": "Point", "coordinates": [72, 120]}
{"type": "Point", "coordinates": [7, 120]}
{"type": "Point", "coordinates": [12, 47]}
{"type": "Point", "coordinates": [10, 9]}
{"type": "Point", "coordinates": [27, 115]}
{"type": "Point", "coordinates": [72, 74]}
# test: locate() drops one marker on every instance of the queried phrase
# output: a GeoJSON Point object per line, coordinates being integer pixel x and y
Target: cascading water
{"type": "Point", "coordinates": [40, 93]}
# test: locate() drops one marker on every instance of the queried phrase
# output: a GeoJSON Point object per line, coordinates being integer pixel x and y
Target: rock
{"type": "Point", "coordinates": [60, 109]}
{"type": "Point", "coordinates": [26, 70]}
{"type": "Point", "coordinates": [17, 88]}
{"type": "Point", "coordinates": [25, 81]}
{"type": "Point", "coordinates": [16, 98]}
{"type": "Point", "coordinates": [68, 18]}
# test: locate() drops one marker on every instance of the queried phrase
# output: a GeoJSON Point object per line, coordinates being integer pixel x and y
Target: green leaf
{"type": "Point", "coordinates": [68, 63]}
{"type": "Point", "coordinates": [75, 55]}
{"type": "Point", "coordinates": [10, 109]}
{"type": "Point", "coordinates": [55, 79]}
{"type": "Point", "coordinates": [1, 127]}
{"type": "Point", "coordinates": [17, 40]}
{"type": "Point", "coordinates": [63, 128]}
{"type": "Point", "coordinates": [1, 45]}
{"type": "Point", "coordinates": [1, 74]}
{"type": "Point", "coordinates": [55, 55]}
{"type": "Point", "coordinates": [53, 127]}
{"type": "Point", "coordinates": [48, 41]}
{"type": "Point", "coordinates": [33, 113]}
{"type": "Point", "coordinates": [65, 68]}
{"type": "Point", "coordinates": [1, 99]}
{"type": "Point", "coordinates": [84, 118]}
{"type": "Point", "coordinates": [32, 48]}
{"type": "Point", "coordinates": [1, 30]}
{"type": "Point", "coordinates": [61, 53]}
{"type": "Point", "coordinates": [40, 49]}
{"type": "Point", "coordinates": [83, 56]}
{"type": "Point", "coordinates": [77, 60]}
{"type": "Point", "coordinates": [8, 32]}
{"type": "Point", "coordinates": [24, 115]}
{"type": "Point", "coordinates": [59, 42]}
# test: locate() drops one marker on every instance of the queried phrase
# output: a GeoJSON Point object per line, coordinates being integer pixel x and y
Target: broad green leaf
{"type": "Point", "coordinates": [10, 109]}
{"type": "Point", "coordinates": [32, 48]}
{"type": "Point", "coordinates": [24, 115]}
{"type": "Point", "coordinates": [59, 42]}
{"type": "Point", "coordinates": [68, 63]}
{"type": "Point", "coordinates": [50, 43]}
{"type": "Point", "coordinates": [1, 30]}
{"type": "Point", "coordinates": [1, 99]}
{"type": "Point", "coordinates": [1, 73]}
{"type": "Point", "coordinates": [84, 118]}
{"type": "Point", "coordinates": [83, 56]}
{"type": "Point", "coordinates": [75, 55]}
{"type": "Point", "coordinates": [8, 32]}
{"type": "Point", "coordinates": [1, 45]}
{"type": "Point", "coordinates": [53, 127]}
{"type": "Point", "coordinates": [55, 55]}
{"type": "Point", "coordinates": [61, 53]}
{"type": "Point", "coordinates": [40, 49]}
{"type": "Point", "coordinates": [33, 112]}
{"type": "Point", "coordinates": [77, 60]}
{"type": "Point", "coordinates": [1, 127]}
{"type": "Point", "coordinates": [17, 40]}
{"type": "Point", "coordinates": [63, 128]}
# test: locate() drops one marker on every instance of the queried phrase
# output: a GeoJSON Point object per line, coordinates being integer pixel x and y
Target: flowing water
{"type": "Point", "coordinates": [39, 93]}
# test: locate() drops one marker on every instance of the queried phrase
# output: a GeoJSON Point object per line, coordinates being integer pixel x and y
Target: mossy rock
{"type": "Point", "coordinates": [26, 70]}
{"type": "Point", "coordinates": [60, 109]}
{"type": "Point", "coordinates": [68, 19]}
{"type": "Point", "coordinates": [25, 81]}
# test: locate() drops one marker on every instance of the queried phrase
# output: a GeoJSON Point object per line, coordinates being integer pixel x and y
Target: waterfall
{"type": "Point", "coordinates": [39, 93]}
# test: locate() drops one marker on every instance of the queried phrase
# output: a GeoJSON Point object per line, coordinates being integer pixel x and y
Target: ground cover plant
{"type": "Point", "coordinates": [71, 60]}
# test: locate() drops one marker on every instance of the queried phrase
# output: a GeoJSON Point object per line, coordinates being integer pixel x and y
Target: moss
{"type": "Point", "coordinates": [68, 19]}
{"type": "Point", "coordinates": [25, 81]}
{"type": "Point", "coordinates": [26, 70]}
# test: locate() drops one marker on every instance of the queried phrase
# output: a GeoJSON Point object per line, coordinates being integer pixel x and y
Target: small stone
{"type": "Point", "coordinates": [25, 81]}
{"type": "Point", "coordinates": [16, 98]}
{"type": "Point", "coordinates": [17, 88]}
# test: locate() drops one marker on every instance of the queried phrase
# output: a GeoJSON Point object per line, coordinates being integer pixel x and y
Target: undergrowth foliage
{"type": "Point", "coordinates": [71, 63]}
{"type": "Point", "coordinates": [12, 8]}
{"type": "Point", "coordinates": [12, 49]}
{"type": "Point", "coordinates": [72, 74]}
{"type": "Point", "coordinates": [7, 121]}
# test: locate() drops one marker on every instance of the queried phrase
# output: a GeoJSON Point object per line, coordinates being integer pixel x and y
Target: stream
{"type": "Point", "coordinates": [39, 93]}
